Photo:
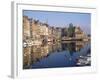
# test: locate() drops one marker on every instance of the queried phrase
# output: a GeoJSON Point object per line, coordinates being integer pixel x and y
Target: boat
{"type": "Point", "coordinates": [84, 60]}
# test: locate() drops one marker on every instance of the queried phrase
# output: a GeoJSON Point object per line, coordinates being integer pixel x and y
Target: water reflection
{"type": "Point", "coordinates": [61, 54]}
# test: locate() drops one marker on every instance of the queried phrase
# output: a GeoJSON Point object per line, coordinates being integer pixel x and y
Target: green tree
{"type": "Point", "coordinates": [71, 30]}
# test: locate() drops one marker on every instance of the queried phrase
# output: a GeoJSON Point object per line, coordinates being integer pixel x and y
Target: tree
{"type": "Point", "coordinates": [64, 31]}
{"type": "Point", "coordinates": [71, 30]}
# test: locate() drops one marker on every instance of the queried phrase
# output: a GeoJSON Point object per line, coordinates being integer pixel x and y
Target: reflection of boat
{"type": "Point", "coordinates": [84, 60]}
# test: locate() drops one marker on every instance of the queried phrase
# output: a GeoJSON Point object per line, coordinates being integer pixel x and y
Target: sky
{"type": "Point", "coordinates": [62, 19]}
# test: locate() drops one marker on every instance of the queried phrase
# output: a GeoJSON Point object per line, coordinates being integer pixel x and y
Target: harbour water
{"type": "Point", "coordinates": [59, 54]}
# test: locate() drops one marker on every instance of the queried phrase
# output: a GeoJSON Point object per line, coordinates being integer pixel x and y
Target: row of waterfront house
{"type": "Point", "coordinates": [36, 32]}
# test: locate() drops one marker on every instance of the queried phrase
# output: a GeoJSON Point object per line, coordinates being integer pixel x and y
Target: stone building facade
{"type": "Point", "coordinates": [26, 28]}
{"type": "Point", "coordinates": [79, 34]}
{"type": "Point", "coordinates": [37, 32]}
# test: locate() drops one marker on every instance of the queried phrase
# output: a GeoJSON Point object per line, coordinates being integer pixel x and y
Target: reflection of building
{"type": "Point", "coordinates": [79, 45]}
{"type": "Point", "coordinates": [73, 46]}
{"type": "Point", "coordinates": [27, 57]}
{"type": "Point", "coordinates": [35, 53]}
